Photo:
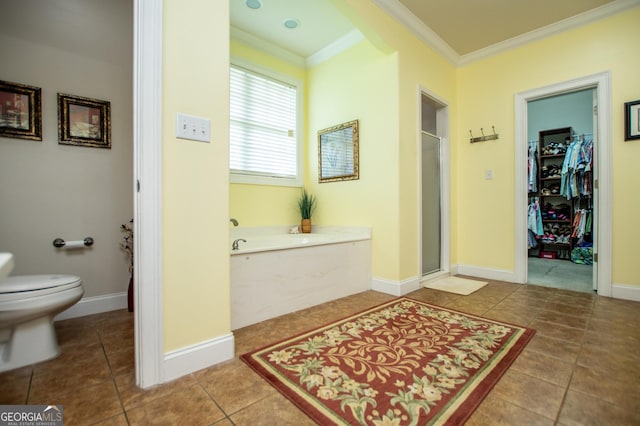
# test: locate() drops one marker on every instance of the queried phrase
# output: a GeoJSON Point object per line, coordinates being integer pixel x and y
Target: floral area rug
{"type": "Point", "coordinates": [404, 362]}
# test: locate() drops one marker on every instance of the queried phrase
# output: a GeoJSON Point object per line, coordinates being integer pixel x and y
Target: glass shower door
{"type": "Point", "coordinates": [431, 202]}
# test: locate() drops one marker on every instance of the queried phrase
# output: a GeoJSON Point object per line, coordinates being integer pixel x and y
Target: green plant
{"type": "Point", "coordinates": [307, 204]}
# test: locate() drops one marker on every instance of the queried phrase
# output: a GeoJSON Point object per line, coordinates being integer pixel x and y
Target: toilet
{"type": "Point", "coordinates": [28, 305]}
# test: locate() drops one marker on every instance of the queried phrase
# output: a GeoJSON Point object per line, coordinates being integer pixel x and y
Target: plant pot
{"type": "Point", "coordinates": [130, 294]}
{"type": "Point", "coordinates": [306, 226]}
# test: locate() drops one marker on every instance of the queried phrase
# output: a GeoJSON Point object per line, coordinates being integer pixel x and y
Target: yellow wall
{"type": "Point", "coordinates": [378, 85]}
{"type": "Point", "coordinates": [419, 66]}
{"type": "Point", "coordinates": [486, 92]}
{"type": "Point", "coordinates": [266, 205]}
{"type": "Point", "coordinates": [196, 297]}
{"type": "Point", "coordinates": [195, 175]}
{"type": "Point", "coordinates": [361, 84]}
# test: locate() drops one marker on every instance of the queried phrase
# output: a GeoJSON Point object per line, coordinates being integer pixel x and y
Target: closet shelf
{"type": "Point", "coordinates": [553, 156]}
{"type": "Point", "coordinates": [556, 221]}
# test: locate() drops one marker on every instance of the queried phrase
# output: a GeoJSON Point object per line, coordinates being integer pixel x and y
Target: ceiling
{"type": "Point", "coordinates": [454, 27]}
{"type": "Point", "coordinates": [320, 23]}
{"type": "Point", "coordinates": [76, 27]}
{"type": "Point", "coordinates": [470, 25]}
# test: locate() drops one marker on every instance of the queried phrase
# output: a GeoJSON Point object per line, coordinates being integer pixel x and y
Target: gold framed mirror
{"type": "Point", "coordinates": [338, 153]}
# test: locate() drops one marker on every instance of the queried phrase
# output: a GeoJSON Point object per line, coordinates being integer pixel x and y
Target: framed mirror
{"type": "Point", "coordinates": [338, 153]}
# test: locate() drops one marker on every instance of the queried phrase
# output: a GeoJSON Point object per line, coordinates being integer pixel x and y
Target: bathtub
{"type": "Point", "coordinates": [274, 273]}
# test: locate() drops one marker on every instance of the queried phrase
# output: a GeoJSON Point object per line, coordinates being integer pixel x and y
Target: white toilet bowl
{"type": "Point", "coordinates": [28, 304]}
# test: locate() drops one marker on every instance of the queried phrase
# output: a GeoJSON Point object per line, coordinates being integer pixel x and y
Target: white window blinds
{"type": "Point", "coordinates": [263, 123]}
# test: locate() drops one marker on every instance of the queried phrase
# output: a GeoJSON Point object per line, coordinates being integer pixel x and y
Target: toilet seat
{"type": "Point", "coordinates": [36, 285]}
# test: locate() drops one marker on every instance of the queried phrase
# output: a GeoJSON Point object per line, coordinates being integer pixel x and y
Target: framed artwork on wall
{"type": "Point", "coordinates": [20, 111]}
{"type": "Point", "coordinates": [631, 120]}
{"type": "Point", "coordinates": [338, 153]}
{"type": "Point", "coordinates": [84, 121]}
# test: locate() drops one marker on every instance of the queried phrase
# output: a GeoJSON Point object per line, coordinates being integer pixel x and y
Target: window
{"type": "Point", "coordinates": [264, 131]}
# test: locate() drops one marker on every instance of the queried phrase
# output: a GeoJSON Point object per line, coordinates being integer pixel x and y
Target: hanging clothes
{"type": "Point", "coordinates": [532, 166]}
{"type": "Point", "coordinates": [534, 221]}
{"type": "Point", "coordinates": [582, 222]}
{"type": "Point", "coordinates": [576, 172]}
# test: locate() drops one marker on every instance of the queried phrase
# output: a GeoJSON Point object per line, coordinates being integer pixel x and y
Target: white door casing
{"type": "Point", "coordinates": [602, 173]}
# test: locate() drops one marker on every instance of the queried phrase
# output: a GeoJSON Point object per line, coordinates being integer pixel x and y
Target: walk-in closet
{"type": "Point", "coordinates": [560, 217]}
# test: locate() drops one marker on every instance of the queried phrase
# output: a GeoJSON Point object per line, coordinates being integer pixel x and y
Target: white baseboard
{"type": "Point", "coordinates": [94, 305]}
{"type": "Point", "coordinates": [618, 291]}
{"type": "Point", "coordinates": [395, 288]}
{"type": "Point", "coordinates": [196, 357]}
{"type": "Point", "coordinates": [487, 273]}
{"type": "Point", "coordinates": [625, 291]}
{"type": "Point", "coordinates": [453, 270]}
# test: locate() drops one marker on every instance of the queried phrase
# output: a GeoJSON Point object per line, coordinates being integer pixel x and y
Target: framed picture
{"type": "Point", "coordinates": [631, 120]}
{"type": "Point", "coordinates": [20, 111]}
{"type": "Point", "coordinates": [84, 121]}
{"type": "Point", "coordinates": [338, 153]}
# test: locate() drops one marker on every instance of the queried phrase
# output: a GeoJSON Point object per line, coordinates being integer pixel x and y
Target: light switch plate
{"type": "Point", "coordinates": [193, 128]}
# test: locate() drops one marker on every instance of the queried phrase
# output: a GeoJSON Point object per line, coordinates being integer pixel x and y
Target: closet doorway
{"type": "Point", "coordinates": [561, 213]}
{"type": "Point", "coordinates": [433, 188]}
{"type": "Point", "coordinates": [601, 198]}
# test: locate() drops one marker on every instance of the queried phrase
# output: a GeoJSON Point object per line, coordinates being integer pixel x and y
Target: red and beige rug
{"type": "Point", "coordinates": [404, 362]}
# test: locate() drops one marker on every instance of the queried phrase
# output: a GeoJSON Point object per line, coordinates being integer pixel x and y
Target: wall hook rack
{"type": "Point", "coordinates": [484, 137]}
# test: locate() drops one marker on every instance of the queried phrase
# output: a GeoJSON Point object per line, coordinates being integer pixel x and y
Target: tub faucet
{"type": "Point", "coordinates": [235, 222]}
{"type": "Point", "coordinates": [234, 246]}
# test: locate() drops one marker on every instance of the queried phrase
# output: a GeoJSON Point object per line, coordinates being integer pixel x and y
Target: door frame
{"type": "Point", "coordinates": [442, 128]}
{"type": "Point", "coordinates": [147, 159]}
{"type": "Point", "coordinates": [601, 82]}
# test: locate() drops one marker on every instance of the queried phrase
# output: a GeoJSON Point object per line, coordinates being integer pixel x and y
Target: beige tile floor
{"type": "Point", "coordinates": [581, 368]}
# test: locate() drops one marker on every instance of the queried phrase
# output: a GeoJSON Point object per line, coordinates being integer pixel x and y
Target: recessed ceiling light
{"type": "Point", "coordinates": [253, 4]}
{"type": "Point", "coordinates": [291, 23]}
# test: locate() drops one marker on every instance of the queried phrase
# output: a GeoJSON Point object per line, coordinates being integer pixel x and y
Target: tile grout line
{"type": "Point", "coordinates": [33, 369]}
{"type": "Point", "coordinates": [574, 365]}
{"type": "Point", "coordinates": [113, 377]}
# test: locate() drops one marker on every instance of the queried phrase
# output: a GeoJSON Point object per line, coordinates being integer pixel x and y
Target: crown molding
{"type": "Point", "coordinates": [266, 47]}
{"type": "Point", "coordinates": [340, 45]}
{"type": "Point", "coordinates": [403, 15]}
{"type": "Point", "coordinates": [343, 43]}
{"type": "Point", "coordinates": [550, 30]}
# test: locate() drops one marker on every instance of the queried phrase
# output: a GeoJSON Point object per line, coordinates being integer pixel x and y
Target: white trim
{"type": "Point", "coordinates": [343, 43]}
{"type": "Point", "coordinates": [487, 273]}
{"type": "Point", "coordinates": [403, 15]}
{"type": "Point", "coordinates": [147, 124]}
{"type": "Point", "coordinates": [625, 291]}
{"type": "Point", "coordinates": [340, 45]}
{"type": "Point", "coordinates": [602, 83]}
{"type": "Point", "coordinates": [453, 270]}
{"type": "Point", "coordinates": [395, 288]}
{"type": "Point", "coordinates": [550, 30]}
{"type": "Point", "coordinates": [192, 358]}
{"type": "Point", "coordinates": [442, 125]}
{"type": "Point", "coordinates": [263, 179]}
{"type": "Point", "coordinates": [442, 128]}
{"type": "Point", "coordinates": [266, 47]}
{"type": "Point", "coordinates": [94, 305]}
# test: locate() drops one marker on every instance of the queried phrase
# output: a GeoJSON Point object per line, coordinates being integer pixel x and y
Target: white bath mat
{"type": "Point", "coordinates": [456, 285]}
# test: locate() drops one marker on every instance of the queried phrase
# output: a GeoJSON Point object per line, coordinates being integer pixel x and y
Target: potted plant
{"type": "Point", "coordinates": [307, 204]}
{"type": "Point", "coordinates": [127, 246]}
